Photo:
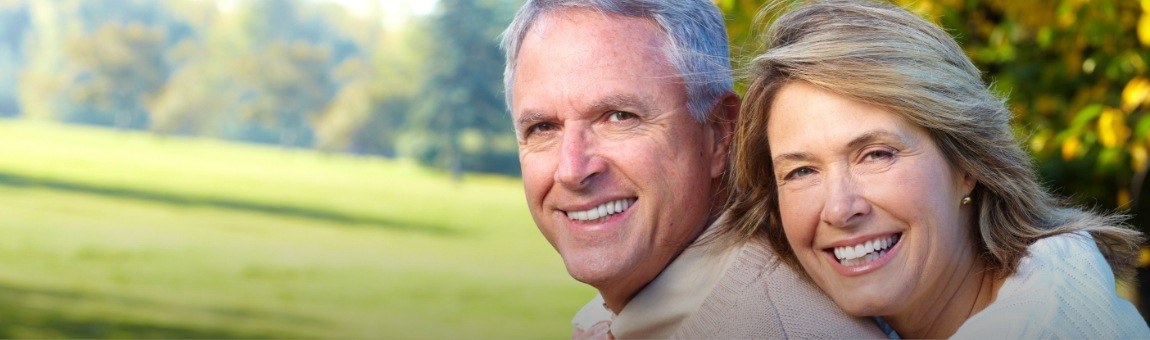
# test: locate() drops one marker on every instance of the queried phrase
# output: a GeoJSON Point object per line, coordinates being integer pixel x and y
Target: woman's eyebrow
{"type": "Point", "coordinates": [791, 157]}
{"type": "Point", "coordinates": [871, 136]}
{"type": "Point", "coordinates": [855, 143]}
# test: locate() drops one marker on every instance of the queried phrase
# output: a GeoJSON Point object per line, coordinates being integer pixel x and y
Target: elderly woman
{"type": "Point", "coordinates": [873, 156]}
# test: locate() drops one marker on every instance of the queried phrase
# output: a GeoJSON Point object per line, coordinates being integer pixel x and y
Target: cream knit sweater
{"type": "Point", "coordinates": [760, 297]}
{"type": "Point", "coordinates": [1063, 289]}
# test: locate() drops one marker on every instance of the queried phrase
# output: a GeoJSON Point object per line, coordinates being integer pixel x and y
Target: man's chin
{"type": "Point", "coordinates": [597, 274]}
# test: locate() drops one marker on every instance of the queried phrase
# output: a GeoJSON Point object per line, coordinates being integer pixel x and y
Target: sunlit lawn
{"type": "Point", "coordinates": [106, 234]}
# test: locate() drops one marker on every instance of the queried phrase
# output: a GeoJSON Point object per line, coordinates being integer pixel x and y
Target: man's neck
{"type": "Point", "coordinates": [616, 296]}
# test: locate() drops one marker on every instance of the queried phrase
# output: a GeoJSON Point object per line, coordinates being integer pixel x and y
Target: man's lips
{"type": "Point", "coordinates": [602, 210]}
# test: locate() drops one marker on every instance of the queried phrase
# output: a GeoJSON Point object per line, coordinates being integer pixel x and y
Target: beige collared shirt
{"type": "Point", "coordinates": [659, 309]}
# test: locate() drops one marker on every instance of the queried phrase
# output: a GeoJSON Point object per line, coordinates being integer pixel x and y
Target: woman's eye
{"type": "Point", "coordinates": [878, 155]}
{"type": "Point", "coordinates": [618, 116]}
{"type": "Point", "coordinates": [799, 173]}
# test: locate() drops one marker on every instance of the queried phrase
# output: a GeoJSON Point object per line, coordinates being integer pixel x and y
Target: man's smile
{"type": "Point", "coordinates": [602, 210]}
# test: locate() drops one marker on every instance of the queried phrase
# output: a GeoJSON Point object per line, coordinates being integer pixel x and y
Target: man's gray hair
{"type": "Point", "coordinates": [697, 37]}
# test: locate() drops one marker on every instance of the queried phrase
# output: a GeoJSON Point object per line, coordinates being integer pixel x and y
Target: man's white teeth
{"type": "Point", "coordinates": [603, 210]}
{"type": "Point", "coordinates": [872, 249]}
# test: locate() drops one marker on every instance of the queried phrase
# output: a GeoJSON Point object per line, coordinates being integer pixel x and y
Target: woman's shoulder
{"type": "Point", "coordinates": [1061, 265]}
{"type": "Point", "coordinates": [1078, 243]}
{"type": "Point", "coordinates": [1062, 288]}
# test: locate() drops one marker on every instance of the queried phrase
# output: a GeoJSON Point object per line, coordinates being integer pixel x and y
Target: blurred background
{"type": "Point", "coordinates": [310, 168]}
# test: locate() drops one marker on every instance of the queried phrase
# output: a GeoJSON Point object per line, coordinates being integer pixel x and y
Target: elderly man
{"type": "Point", "coordinates": [623, 110]}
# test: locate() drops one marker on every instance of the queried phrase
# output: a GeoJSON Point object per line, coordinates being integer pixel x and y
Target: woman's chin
{"type": "Point", "coordinates": [864, 306]}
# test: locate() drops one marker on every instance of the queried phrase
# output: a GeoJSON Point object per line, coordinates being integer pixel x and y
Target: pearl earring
{"type": "Point", "coordinates": [966, 200]}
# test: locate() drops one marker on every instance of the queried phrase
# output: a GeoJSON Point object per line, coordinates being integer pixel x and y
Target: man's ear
{"type": "Point", "coordinates": [722, 122]}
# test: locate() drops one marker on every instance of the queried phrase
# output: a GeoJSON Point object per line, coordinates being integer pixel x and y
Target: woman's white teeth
{"type": "Point", "coordinates": [603, 210]}
{"type": "Point", "coordinates": [871, 249]}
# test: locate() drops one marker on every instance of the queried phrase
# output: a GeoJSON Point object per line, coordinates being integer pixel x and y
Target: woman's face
{"type": "Point", "coordinates": [869, 204]}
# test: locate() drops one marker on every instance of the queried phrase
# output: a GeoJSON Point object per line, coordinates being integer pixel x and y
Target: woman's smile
{"type": "Point", "coordinates": [864, 257]}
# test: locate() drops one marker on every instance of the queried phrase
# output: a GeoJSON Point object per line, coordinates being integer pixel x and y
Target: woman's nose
{"type": "Point", "coordinates": [844, 205]}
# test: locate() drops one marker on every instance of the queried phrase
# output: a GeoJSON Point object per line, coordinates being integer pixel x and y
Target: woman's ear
{"type": "Point", "coordinates": [966, 187]}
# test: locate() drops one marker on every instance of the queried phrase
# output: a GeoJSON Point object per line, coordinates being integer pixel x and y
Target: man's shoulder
{"type": "Point", "coordinates": [760, 297]}
{"type": "Point", "coordinates": [738, 306]}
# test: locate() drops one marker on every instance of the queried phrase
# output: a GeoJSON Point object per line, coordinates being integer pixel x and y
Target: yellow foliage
{"type": "Point", "coordinates": [1067, 14]}
{"type": "Point", "coordinates": [1138, 157]}
{"type": "Point", "coordinates": [1112, 129]}
{"type": "Point", "coordinates": [1144, 26]}
{"type": "Point", "coordinates": [1071, 147]}
{"type": "Point", "coordinates": [1039, 140]}
{"type": "Point", "coordinates": [1137, 92]}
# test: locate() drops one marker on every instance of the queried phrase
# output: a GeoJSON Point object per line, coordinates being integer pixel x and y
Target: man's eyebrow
{"type": "Point", "coordinates": [529, 118]}
{"type": "Point", "coordinates": [607, 103]}
{"type": "Point", "coordinates": [621, 101]}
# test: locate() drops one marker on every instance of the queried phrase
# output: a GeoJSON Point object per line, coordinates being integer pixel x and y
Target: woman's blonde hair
{"type": "Point", "coordinates": [883, 55]}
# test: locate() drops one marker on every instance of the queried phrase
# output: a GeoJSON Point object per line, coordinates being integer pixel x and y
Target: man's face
{"type": "Point", "coordinates": [618, 175]}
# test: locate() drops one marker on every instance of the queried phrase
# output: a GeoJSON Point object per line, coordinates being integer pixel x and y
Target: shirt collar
{"type": "Point", "coordinates": [658, 309]}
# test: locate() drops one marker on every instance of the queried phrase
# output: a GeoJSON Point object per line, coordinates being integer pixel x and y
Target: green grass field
{"type": "Point", "coordinates": [130, 235]}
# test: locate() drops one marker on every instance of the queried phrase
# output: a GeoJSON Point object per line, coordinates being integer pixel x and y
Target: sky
{"type": "Point", "coordinates": [395, 12]}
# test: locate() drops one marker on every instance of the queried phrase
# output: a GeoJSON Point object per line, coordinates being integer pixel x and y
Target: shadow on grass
{"type": "Point", "coordinates": [44, 313]}
{"type": "Point", "coordinates": [274, 209]}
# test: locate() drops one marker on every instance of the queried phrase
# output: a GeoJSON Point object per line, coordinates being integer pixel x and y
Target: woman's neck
{"type": "Point", "coordinates": [940, 315]}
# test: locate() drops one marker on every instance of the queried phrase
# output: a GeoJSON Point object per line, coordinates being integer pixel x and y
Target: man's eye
{"type": "Point", "coordinates": [618, 116]}
{"type": "Point", "coordinates": [539, 128]}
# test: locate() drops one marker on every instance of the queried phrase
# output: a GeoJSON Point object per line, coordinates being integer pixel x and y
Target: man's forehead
{"type": "Point", "coordinates": [624, 31]}
{"type": "Point", "coordinates": [577, 43]}
{"type": "Point", "coordinates": [588, 18]}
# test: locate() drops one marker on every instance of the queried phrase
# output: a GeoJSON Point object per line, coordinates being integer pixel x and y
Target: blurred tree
{"type": "Point", "coordinates": [376, 88]}
{"type": "Point", "coordinates": [397, 62]}
{"type": "Point", "coordinates": [286, 85]}
{"type": "Point", "coordinates": [14, 21]}
{"type": "Point", "coordinates": [460, 120]}
{"type": "Point", "coordinates": [294, 72]}
{"type": "Point", "coordinates": [96, 62]}
{"type": "Point", "coordinates": [41, 82]}
{"type": "Point", "coordinates": [283, 70]}
{"type": "Point", "coordinates": [118, 68]}
{"type": "Point", "coordinates": [198, 94]}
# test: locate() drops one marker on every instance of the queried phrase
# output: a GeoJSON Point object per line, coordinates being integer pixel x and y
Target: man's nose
{"type": "Point", "coordinates": [844, 205]}
{"type": "Point", "coordinates": [579, 160]}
